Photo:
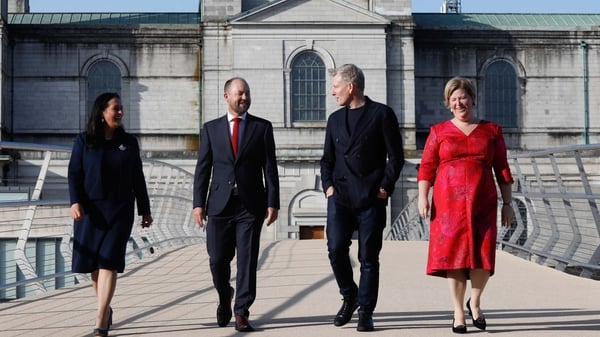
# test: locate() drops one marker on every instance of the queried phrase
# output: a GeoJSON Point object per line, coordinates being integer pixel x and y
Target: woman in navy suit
{"type": "Point", "coordinates": [105, 179]}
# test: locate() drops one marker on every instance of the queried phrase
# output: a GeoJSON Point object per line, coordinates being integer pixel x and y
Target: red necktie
{"type": "Point", "coordinates": [234, 135]}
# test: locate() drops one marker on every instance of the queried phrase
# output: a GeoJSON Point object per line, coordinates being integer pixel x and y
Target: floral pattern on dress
{"type": "Point", "coordinates": [463, 211]}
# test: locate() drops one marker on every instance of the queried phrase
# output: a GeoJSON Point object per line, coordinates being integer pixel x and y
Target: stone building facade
{"type": "Point", "coordinates": [535, 74]}
{"type": "Point", "coordinates": [55, 65]}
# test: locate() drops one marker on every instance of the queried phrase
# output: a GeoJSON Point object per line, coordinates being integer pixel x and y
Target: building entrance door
{"type": "Point", "coordinates": [312, 232]}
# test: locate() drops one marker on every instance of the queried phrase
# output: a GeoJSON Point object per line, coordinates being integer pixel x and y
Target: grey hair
{"type": "Point", "coordinates": [351, 74]}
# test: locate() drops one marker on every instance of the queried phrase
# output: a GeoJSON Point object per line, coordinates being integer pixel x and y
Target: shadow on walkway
{"type": "Point", "coordinates": [171, 294]}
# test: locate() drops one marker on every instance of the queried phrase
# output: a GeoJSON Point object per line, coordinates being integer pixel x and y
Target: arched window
{"type": "Point", "coordinates": [308, 88]}
{"type": "Point", "coordinates": [104, 76]}
{"type": "Point", "coordinates": [501, 94]}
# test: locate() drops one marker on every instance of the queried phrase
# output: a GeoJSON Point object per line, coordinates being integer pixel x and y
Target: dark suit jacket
{"type": "Point", "coordinates": [86, 182]}
{"type": "Point", "coordinates": [217, 170]}
{"type": "Point", "coordinates": [360, 163]}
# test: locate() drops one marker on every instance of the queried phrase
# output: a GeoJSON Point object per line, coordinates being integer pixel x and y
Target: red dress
{"type": "Point", "coordinates": [464, 203]}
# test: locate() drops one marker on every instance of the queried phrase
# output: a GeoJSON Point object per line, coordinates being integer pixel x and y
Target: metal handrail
{"type": "Point", "coordinates": [38, 221]}
{"type": "Point", "coordinates": [556, 198]}
{"type": "Point", "coordinates": [34, 147]}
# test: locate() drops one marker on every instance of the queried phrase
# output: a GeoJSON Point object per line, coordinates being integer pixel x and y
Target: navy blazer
{"type": "Point", "coordinates": [218, 171]}
{"type": "Point", "coordinates": [85, 173]}
{"type": "Point", "coordinates": [369, 158]}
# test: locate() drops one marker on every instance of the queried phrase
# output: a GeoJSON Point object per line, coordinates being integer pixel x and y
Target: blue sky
{"type": "Point", "coordinates": [514, 6]}
{"type": "Point", "coordinates": [468, 6]}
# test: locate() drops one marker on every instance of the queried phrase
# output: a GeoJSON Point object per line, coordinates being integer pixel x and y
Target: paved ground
{"type": "Point", "coordinates": [170, 294]}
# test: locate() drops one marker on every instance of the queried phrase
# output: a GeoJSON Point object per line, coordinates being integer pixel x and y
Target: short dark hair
{"type": "Point", "coordinates": [228, 83]}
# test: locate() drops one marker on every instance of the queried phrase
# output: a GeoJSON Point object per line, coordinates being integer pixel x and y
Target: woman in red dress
{"type": "Point", "coordinates": [460, 158]}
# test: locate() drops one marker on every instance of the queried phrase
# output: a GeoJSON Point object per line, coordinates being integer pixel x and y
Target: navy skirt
{"type": "Point", "coordinates": [100, 238]}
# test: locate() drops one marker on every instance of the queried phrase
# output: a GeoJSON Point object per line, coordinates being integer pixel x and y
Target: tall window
{"type": "Point", "coordinates": [501, 94]}
{"type": "Point", "coordinates": [104, 76]}
{"type": "Point", "coordinates": [308, 88]}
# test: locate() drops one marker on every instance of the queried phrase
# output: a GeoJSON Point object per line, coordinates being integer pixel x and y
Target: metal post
{"type": "Point", "coordinates": [586, 103]}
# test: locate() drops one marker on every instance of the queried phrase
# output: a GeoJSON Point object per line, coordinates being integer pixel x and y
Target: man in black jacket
{"type": "Point", "coordinates": [362, 159]}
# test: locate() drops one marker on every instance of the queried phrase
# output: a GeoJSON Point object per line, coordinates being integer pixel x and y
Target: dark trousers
{"type": "Point", "coordinates": [234, 229]}
{"type": "Point", "coordinates": [341, 223]}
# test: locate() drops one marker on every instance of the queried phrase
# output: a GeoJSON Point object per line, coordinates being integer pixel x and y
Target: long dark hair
{"type": "Point", "coordinates": [95, 124]}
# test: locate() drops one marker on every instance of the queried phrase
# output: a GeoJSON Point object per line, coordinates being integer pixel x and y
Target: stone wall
{"type": "Point", "coordinates": [549, 67]}
{"type": "Point", "coordinates": [159, 66]}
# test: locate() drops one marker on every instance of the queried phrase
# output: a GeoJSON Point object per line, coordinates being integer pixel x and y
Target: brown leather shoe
{"type": "Point", "coordinates": [242, 324]}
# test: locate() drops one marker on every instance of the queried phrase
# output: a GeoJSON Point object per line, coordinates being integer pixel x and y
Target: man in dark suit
{"type": "Point", "coordinates": [235, 156]}
{"type": "Point", "coordinates": [362, 159]}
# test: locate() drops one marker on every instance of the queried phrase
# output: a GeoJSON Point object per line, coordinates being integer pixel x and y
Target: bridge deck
{"type": "Point", "coordinates": [170, 294]}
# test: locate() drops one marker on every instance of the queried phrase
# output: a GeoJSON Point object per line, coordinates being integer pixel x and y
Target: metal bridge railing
{"type": "Point", "coordinates": [36, 234]}
{"type": "Point", "coordinates": [557, 220]}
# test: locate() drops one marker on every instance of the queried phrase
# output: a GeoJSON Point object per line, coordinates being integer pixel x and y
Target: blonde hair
{"type": "Point", "coordinates": [459, 83]}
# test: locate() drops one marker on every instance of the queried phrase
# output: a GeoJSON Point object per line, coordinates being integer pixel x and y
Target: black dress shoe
{"type": "Point", "coordinates": [459, 329]}
{"type": "Point", "coordinates": [365, 322]}
{"type": "Point", "coordinates": [479, 323]}
{"type": "Point", "coordinates": [224, 311]}
{"type": "Point", "coordinates": [345, 313]}
{"type": "Point", "coordinates": [242, 324]}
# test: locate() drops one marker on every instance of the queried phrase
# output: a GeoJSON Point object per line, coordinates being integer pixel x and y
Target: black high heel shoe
{"type": "Point", "coordinates": [459, 329]}
{"type": "Point", "coordinates": [104, 332]}
{"type": "Point", "coordinates": [100, 332]}
{"type": "Point", "coordinates": [110, 314]}
{"type": "Point", "coordinates": [479, 323]}
{"type": "Point", "coordinates": [469, 307]}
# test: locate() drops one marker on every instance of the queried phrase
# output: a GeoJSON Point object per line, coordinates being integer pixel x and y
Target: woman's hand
{"type": "Point", "coordinates": [423, 206]}
{"type": "Point", "coordinates": [507, 215]}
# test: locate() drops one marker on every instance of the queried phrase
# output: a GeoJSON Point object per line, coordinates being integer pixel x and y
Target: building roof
{"type": "Point", "coordinates": [422, 20]}
{"type": "Point", "coordinates": [103, 18]}
{"type": "Point", "coordinates": [507, 21]}
{"type": "Point", "coordinates": [294, 12]}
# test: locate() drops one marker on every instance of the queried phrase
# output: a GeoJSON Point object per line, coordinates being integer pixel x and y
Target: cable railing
{"type": "Point", "coordinates": [555, 197]}
{"type": "Point", "coordinates": [557, 220]}
{"type": "Point", "coordinates": [36, 232]}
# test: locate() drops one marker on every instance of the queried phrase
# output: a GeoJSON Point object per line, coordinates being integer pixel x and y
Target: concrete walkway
{"type": "Point", "coordinates": [171, 294]}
